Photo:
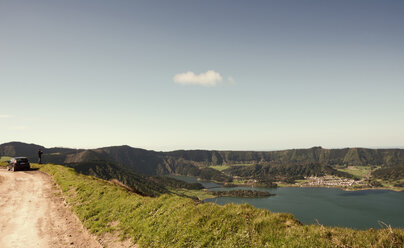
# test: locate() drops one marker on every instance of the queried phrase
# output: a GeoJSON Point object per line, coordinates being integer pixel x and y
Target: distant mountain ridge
{"type": "Point", "coordinates": [125, 163]}
{"type": "Point", "coordinates": [158, 163]}
{"type": "Point", "coordinates": [348, 156]}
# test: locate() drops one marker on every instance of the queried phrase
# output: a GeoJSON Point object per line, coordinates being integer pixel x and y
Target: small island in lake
{"type": "Point", "coordinates": [242, 193]}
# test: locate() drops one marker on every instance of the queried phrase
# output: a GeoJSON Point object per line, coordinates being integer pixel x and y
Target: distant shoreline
{"type": "Point", "coordinates": [396, 189]}
{"type": "Point", "coordinates": [285, 185]}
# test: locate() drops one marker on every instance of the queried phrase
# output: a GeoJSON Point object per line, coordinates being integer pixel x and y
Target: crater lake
{"type": "Point", "coordinates": [327, 206]}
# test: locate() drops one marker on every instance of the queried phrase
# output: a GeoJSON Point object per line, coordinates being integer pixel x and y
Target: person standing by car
{"type": "Point", "coordinates": [39, 156]}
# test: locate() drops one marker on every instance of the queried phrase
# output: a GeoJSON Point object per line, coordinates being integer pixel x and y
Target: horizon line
{"type": "Point", "coordinates": [204, 149]}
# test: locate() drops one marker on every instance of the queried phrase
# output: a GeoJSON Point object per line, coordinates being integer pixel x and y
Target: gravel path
{"type": "Point", "coordinates": [33, 214]}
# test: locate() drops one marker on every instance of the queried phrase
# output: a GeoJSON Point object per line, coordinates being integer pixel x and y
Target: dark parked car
{"type": "Point", "coordinates": [18, 163]}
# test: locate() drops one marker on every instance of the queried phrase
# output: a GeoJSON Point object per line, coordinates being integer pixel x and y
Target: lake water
{"type": "Point", "coordinates": [331, 207]}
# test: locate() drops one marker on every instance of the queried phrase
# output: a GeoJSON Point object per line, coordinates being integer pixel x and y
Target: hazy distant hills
{"type": "Point", "coordinates": [348, 156]}
{"type": "Point", "coordinates": [152, 163]}
{"type": "Point", "coordinates": [196, 162]}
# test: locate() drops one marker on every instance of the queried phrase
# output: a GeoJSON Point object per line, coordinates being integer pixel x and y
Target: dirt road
{"type": "Point", "coordinates": [33, 214]}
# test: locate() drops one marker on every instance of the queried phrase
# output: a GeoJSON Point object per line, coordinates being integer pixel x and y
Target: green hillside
{"type": "Point", "coordinates": [286, 173]}
{"type": "Point", "coordinates": [173, 221]}
{"type": "Point", "coordinates": [140, 184]}
{"type": "Point", "coordinates": [347, 156]}
{"type": "Point", "coordinates": [390, 173]}
{"type": "Point", "coordinates": [108, 171]}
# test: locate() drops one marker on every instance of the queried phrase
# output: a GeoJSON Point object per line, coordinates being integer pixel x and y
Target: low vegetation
{"type": "Point", "coordinates": [390, 173]}
{"type": "Point", "coordinates": [141, 184]}
{"type": "Point", "coordinates": [175, 183]}
{"type": "Point", "coordinates": [219, 167]}
{"type": "Point", "coordinates": [285, 173]}
{"type": "Point", "coordinates": [358, 172]}
{"type": "Point", "coordinates": [4, 161]}
{"type": "Point", "coordinates": [199, 195]}
{"type": "Point", "coordinates": [243, 193]}
{"type": "Point", "coordinates": [173, 221]}
{"type": "Point", "coordinates": [223, 167]}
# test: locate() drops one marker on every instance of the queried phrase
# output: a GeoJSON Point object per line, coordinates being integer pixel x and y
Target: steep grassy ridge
{"type": "Point", "coordinates": [173, 221]}
{"type": "Point", "coordinates": [106, 170]}
{"type": "Point", "coordinates": [138, 183]}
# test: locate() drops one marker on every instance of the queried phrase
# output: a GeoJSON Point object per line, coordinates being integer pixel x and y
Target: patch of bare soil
{"type": "Point", "coordinates": [33, 213]}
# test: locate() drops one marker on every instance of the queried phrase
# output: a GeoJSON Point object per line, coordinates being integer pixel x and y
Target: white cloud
{"type": "Point", "coordinates": [5, 116]}
{"type": "Point", "coordinates": [208, 79]}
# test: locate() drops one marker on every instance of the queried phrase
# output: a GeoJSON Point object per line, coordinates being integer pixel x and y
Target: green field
{"type": "Point", "coordinates": [219, 167]}
{"type": "Point", "coordinates": [226, 166]}
{"type": "Point", "coordinates": [359, 171]}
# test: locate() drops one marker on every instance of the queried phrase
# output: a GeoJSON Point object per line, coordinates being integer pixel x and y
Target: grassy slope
{"type": "Point", "coordinates": [4, 159]}
{"type": "Point", "coordinates": [359, 171]}
{"type": "Point", "coordinates": [197, 194]}
{"type": "Point", "coordinates": [173, 221]}
{"type": "Point", "coordinates": [219, 167]}
{"type": "Point", "coordinates": [226, 166]}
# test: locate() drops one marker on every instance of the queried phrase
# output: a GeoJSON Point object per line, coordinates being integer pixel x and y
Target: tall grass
{"type": "Point", "coordinates": [173, 221]}
{"type": "Point", "coordinates": [4, 161]}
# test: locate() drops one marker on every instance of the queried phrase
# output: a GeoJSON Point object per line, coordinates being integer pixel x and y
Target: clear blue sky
{"type": "Point", "coordinates": [287, 74]}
